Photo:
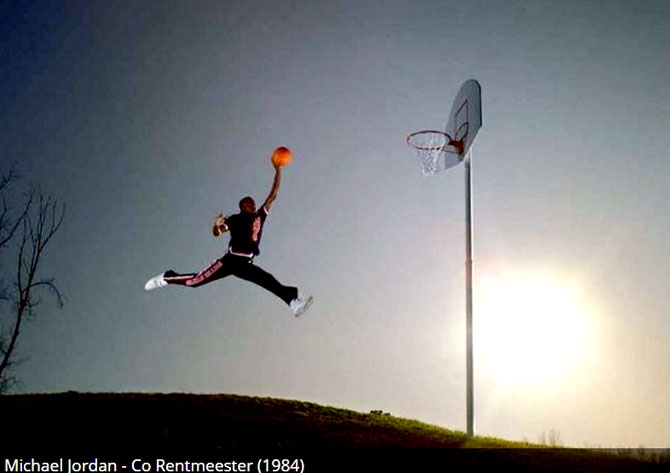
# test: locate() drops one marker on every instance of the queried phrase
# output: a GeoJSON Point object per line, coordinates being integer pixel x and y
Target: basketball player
{"type": "Point", "coordinates": [246, 230]}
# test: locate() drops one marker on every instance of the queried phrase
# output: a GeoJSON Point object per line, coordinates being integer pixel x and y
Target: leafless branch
{"type": "Point", "coordinates": [40, 219]}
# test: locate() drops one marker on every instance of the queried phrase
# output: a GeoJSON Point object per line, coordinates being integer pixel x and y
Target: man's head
{"type": "Point", "coordinates": [248, 205]}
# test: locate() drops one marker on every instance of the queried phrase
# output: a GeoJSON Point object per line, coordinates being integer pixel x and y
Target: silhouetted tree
{"type": "Point", "coordinates": [24, 235]}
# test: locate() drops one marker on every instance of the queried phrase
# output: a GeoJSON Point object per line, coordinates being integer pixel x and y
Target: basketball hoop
{"type": "Point", "coordinates": [431, 146]}
{"type": "Point", "coordinates": [453, 145]}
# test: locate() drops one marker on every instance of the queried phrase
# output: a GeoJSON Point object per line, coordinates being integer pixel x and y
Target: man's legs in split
{"type": "Point", "coordinates": [244, 269]}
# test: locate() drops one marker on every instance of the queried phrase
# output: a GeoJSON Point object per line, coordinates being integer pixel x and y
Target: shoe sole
{"type": "Point", "coordinates": [304, 308]}
{"type": "Point", "coordinates": [155, 283]}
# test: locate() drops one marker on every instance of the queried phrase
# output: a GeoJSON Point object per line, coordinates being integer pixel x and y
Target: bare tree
{"type": "Point", "coordinates": [552, 440]}
{"type": "Point", "coordinates": [24, 235]}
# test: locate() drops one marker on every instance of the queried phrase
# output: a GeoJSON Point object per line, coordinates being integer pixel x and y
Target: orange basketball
{"type": "Point", "coordinates": [281, 156]}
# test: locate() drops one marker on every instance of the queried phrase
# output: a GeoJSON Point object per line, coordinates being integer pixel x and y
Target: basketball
{"type": "Point", "coordinates": [281, 156]}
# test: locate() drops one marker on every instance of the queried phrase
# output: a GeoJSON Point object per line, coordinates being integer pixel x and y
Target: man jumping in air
{"type": "Point", "coordinates": [246, 230]}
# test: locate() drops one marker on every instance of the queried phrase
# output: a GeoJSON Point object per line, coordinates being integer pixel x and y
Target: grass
{"type": "Point", "coordinates": [212, 424]}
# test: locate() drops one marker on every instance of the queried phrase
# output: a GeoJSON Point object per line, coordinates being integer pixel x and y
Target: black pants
{"type": "Point", "coordinates": [239, 266]}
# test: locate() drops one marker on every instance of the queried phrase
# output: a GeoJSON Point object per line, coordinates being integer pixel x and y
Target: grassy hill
{"type": "Point", "coordinates": [330, 439]}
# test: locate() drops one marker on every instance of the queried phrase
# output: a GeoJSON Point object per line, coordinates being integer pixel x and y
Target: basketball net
{"type": "Point", "coordinates": [430, 146]}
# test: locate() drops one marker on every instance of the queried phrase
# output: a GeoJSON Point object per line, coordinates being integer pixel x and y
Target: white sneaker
{"type": "Point", "coordinates": [300, 305]}
{"type": "Point", "coordinates": [155, 282]}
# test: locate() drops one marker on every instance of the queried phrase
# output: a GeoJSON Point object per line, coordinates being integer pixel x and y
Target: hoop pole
{"type": "Point", "coordinates": [468, 296]}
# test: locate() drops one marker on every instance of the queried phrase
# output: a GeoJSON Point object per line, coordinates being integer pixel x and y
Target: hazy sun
{"type": "Point", "coordinates": [528, 329]}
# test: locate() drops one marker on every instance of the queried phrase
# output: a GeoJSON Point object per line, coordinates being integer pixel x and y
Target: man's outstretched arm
{"type": "Point", "coordinates": [274, 190]}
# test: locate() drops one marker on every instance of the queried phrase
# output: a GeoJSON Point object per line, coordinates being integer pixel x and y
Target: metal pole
{"type": "Point", "coordinates": [468, 295]}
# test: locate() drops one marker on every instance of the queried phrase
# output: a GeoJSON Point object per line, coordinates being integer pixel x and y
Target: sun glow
{"type": "Point", "coordinates": [529, 329]}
